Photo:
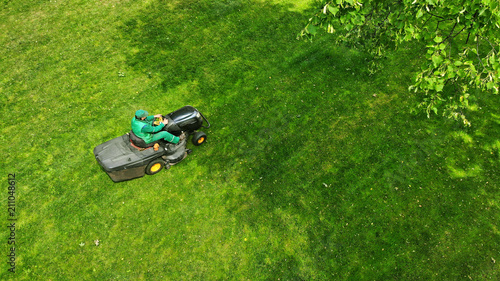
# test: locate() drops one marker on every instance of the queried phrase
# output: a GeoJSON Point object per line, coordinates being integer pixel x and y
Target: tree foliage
{"type": "Point", "coordinates": [461, 39]}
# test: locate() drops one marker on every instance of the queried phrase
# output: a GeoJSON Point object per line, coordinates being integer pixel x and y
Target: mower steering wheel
{"type": "Point", "coordinates": [158, 120]}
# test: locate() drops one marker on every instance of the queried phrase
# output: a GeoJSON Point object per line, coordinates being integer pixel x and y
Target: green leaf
{"type": "Point", "coordinates": [420, 14]}
{"type": "Point", "coordinates": [312, 29]}
{"type": "Point", "coordinates": [492, 59]}
{"type": "Point", "coordinates": [439, 87]}
{"type": "Point", "coordinates": [410, 28]}
{"type": "Point", "coordinates": [431, 83]}
{"type": "Point", "coordinates": [438, 39]}
{"type": "Point", "coordinates": [450, 71]}
{"type": "Point", "coordinates": [473, 70]}
{"type": "Point", "coordinates": [333, 10]}
{"type": "Point", "coordinates": [437, 59]}
{"type": "Point", "coordinates": [345, 18]}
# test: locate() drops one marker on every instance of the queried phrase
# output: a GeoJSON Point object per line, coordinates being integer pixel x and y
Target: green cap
{"type": "Point", "coordinates": [141, 113]}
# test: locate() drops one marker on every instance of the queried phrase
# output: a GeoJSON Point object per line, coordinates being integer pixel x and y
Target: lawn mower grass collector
{"type": "Point", "coordinates": [127, 157]}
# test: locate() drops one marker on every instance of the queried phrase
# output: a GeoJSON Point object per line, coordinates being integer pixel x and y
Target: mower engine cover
{"type": "Point", "coordinates": [187, 119]}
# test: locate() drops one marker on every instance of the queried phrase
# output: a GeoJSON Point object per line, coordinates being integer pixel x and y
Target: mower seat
{"type": "Point", "coordinates": [137, 141]}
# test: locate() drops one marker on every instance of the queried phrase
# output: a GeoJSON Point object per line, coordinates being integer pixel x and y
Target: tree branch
{"type": "Point", "coordinates": [459, 33]}
{"type": "Point", "coordinates": [451, 32]}
{"type": "Point", "coordinates": [435, 15]}
{"type": "Point", "coordinates": [468, 35]}
{"type": "Point", "coordinates": [491, 44]}
{"type": "Point", "coordinates": [477, 52]}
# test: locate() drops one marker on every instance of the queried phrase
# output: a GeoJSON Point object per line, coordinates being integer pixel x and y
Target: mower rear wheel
{"type": "Point", "coordinates": [155, 166]}
{"type": "Point", "coordinates": [199, 138]}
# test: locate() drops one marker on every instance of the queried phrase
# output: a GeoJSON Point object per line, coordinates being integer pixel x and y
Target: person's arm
{"type": "Point", "coordinates": [148, 128]}
{"type": "Point", "coordinates": [152, 118]}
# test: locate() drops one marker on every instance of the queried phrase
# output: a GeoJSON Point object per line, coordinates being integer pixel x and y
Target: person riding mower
{"type": "Point", "coordinates": [154, 142]}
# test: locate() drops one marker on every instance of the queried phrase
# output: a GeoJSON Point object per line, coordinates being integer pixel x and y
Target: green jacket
{"type": "Point", "coordinates": [145, 129]}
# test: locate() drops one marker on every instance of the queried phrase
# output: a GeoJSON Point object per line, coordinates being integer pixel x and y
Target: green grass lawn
{"type": "Point", "coordinates": [313, 169]}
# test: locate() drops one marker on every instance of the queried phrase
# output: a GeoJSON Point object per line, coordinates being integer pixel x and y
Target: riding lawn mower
{"type": "Point", "coordinates": [128, 156]}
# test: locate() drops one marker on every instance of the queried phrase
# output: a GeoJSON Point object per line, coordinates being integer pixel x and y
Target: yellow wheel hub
{"type": "Point", "coordinates": [200, 140]}
{"type": "Point", "coordinates": [156, 167]}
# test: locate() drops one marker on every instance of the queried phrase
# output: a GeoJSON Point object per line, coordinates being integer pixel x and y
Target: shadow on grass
{"type": "Point", "coordinates": [331, 154]}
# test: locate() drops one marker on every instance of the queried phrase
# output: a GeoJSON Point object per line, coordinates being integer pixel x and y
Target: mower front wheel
{"type": "Point", "coordinates": [199, 138]}
{"type": "Point", "coordinates": [155, 166]}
